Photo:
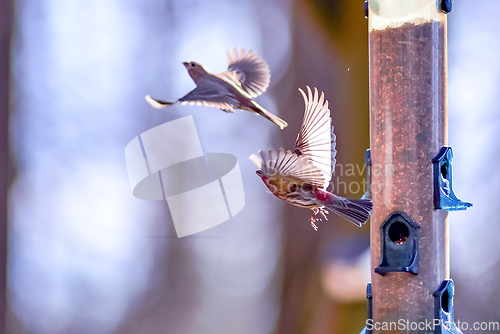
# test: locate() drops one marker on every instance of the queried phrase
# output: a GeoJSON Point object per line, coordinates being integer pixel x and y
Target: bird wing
{"type": "Point", "coordinates": [248, 71]}
{"type": "Point", "coordinates": [283, 164]}
{"type": "Point", "coordinates": [206, 94]}
{"type": "Point", "coordinates": [316, 140]}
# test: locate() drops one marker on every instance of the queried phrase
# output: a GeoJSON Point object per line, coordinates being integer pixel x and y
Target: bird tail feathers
{"type": "Point", "coordinates": [266, 114]}
{"type": "Point", "coordinates": [158, 104]}
{"type": "Point", "coordinates": [355, 210]}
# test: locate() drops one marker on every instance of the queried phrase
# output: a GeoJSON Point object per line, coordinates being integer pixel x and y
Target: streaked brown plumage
{"type": "Point", "coordinates": [301, 177]}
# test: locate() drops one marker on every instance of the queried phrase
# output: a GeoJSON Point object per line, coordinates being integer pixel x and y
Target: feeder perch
{"type": "Point", "coordinates": [368, 164]}
{"type": "Point", "coordinates": [443, 308]}
{"type": "Point", "coordinates": [444, 197]}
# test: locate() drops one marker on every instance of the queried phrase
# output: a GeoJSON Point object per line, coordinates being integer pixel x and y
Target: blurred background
{"type": "Point", "coordinates": [80, 254]}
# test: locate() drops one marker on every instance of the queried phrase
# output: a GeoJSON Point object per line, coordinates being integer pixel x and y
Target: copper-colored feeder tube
{"type": "Point", "coordinates": [408, 127]}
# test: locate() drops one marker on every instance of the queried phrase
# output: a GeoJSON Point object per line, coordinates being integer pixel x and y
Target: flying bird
{"type": "Point", "coordinates": [247, 77]}
{"type": "Point", "coordinates": [301, 177]}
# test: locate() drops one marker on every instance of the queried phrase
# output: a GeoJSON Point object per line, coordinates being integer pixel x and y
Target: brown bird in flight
{"type": "Point", "coordinates": [301, 177]}
{"type": "Point", "coordinates": [247, 77]}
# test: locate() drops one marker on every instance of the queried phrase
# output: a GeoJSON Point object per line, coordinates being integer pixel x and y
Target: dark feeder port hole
{"type": "Point", "coordinates": [444, 169]}
{"type": "Point", "coordinates": [398, 233]}
{"type": "Point", "coordinates": [444, 301]}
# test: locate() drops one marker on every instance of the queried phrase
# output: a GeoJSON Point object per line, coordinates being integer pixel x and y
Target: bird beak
{"type": "Point", "coordinates": [185, 64]}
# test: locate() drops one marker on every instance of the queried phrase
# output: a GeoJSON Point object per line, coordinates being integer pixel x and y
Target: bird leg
{"type": "Point", "coordinates": [314, 226]}
{"type": "Point", "coordinates": [321, 211]}
{"type": "Point", "coordinates": [313, 220]}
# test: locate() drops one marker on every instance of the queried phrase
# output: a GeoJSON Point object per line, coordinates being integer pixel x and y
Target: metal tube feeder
{"type": "Point", "coordinates": [408, 138]}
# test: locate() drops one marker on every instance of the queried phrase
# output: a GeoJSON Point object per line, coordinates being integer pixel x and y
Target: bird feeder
{"type": "Point", "coordinates": [408, 130]}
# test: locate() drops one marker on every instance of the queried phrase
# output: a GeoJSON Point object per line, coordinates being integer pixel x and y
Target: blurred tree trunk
{"type": "Point", "coordinates": [330, 52]}
{"type": "Point", "coordinates": [5, 163]}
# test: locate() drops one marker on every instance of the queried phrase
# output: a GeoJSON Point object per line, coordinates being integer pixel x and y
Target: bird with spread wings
{"type": "Point", "coordinates": [302, 177]}
{"type": "Point", "coordinates": [247, 77]}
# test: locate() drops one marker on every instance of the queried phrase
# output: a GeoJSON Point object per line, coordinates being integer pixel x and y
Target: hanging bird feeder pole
{"type": "Point", "coordinates": [411, 188]}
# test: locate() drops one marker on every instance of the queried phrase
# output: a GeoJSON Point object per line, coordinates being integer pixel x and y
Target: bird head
{"type": "Point", "coordinates": [195, 70]}
{"type": "Point", "coordinates": [268, 182]}
{"type": "Point", "coordinates": [263, 177]}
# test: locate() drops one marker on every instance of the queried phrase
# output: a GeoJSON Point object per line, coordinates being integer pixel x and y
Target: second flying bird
{"type": "Point", "coordinates": [247, 77]}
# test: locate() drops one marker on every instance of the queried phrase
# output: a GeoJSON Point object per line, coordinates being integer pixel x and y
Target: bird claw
{"type": "Point", "coordinates": [314, 226]}
{"type": "Point", "coordinates": [323, 214]}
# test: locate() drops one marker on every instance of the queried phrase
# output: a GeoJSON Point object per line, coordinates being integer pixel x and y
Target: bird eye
{"type": "Point", "coordinates": [192, 64]}
{"type": "Point", "coordinates": [307, 187]}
